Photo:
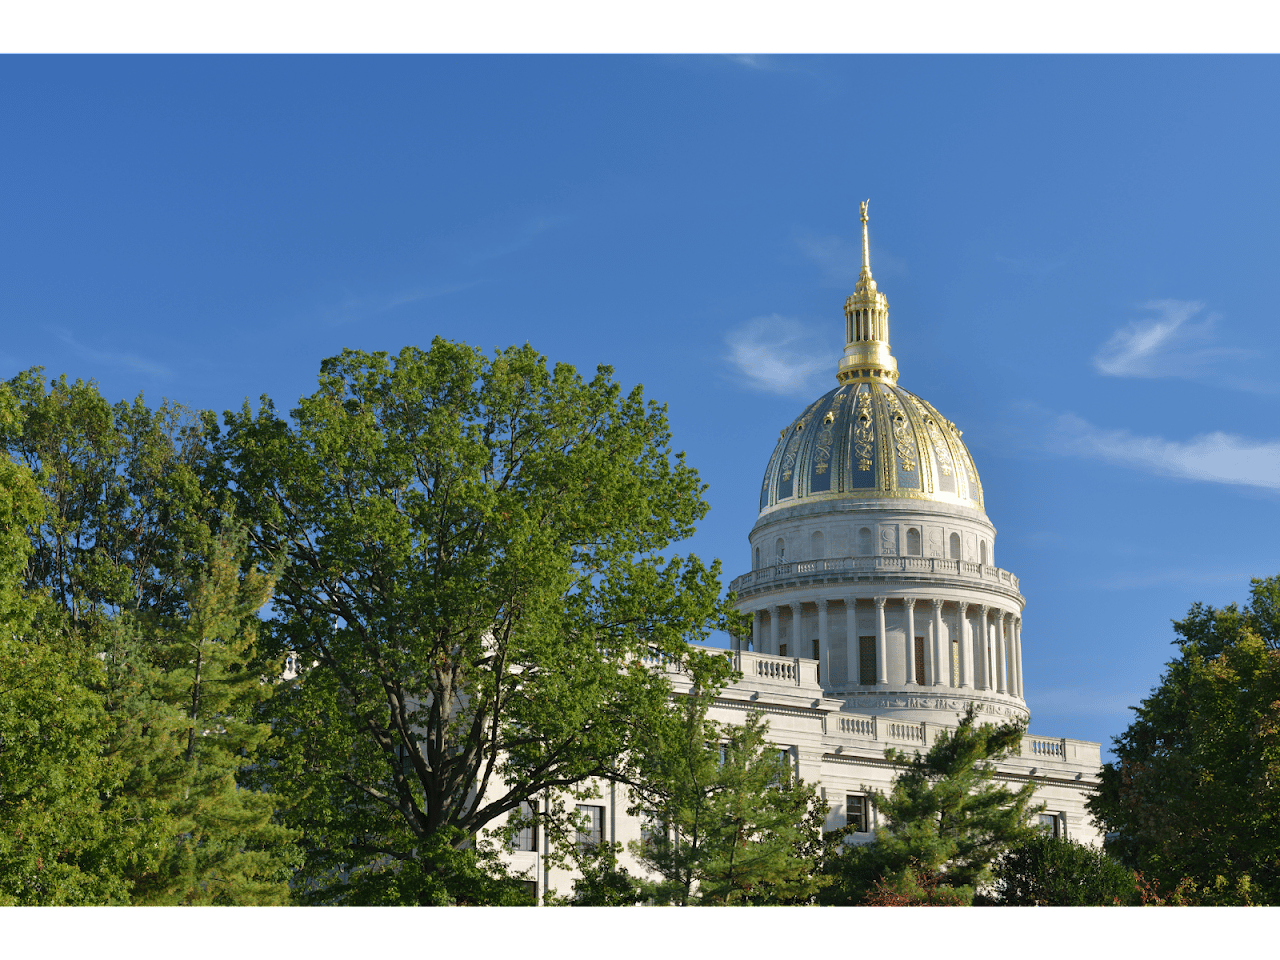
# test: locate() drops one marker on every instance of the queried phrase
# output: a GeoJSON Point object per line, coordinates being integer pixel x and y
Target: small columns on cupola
{"type": "Point", "coordinates": [866, 319]}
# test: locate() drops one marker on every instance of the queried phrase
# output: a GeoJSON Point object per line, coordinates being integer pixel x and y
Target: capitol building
{"type": "Point", "coordinates": [879, 612]}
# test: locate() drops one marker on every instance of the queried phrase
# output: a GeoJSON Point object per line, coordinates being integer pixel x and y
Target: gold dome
{"type": "Point", "coordinates": [869, 438]}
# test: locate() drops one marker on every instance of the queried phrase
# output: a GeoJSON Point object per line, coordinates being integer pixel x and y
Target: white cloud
{"type": "Point", "coordinates": [1214, 457]}
{"type": "Point", "coordinates": [357, 309]}
{"type": "Point", "coordinates": [780, 355]}
{"type": "Point", "coordinates": [842, 261]}
{"type": "Point", "coordinates": [510, 241]}
{"type": "Point", "coordinates": [1170, 345]}
{"type": "Point", "coordinates": [129, 360]}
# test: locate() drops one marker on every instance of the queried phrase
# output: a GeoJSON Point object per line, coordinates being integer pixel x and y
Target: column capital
{"type": "Point", "coordinates": [909, 602]}
{"type": "Point", "coordinates": [937, 603]}
{"type": "Point", "coordinates": [821, 602]}
{"type": "Point", "coordinates": [880, 602]}
{"type": "Point", "coordinates": [963, 605]}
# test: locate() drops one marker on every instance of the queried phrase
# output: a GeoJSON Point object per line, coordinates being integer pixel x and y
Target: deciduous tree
{"type": "Point", "coordinates": [472, 569]}
{"type": "Point", "coordinates": [1194, 791]}
{"type": "Point", "coordinates": [153, 609]}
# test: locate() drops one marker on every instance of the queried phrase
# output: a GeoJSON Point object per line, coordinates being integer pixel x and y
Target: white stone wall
{"type": "Point", "coordinates": [842, 753]}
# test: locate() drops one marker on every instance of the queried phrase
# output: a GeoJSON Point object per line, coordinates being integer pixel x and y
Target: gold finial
{"type": "Point", "coordinates": [866, 246]}
{"type": "Point", "coordinates": [866, 315]}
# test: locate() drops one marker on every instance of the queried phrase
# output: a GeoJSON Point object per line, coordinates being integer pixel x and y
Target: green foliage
{"type": "Point", "coordinates": [948, 822]}
{"type": "Point", "coordinates": [1052, 871]}
{"type": "Point", "coordinates": [152, 618]}
{"type": "Point", "coordinates": [603, 883]}
{"type": "Point", "coordinates": [472, 574]}
{"type": "Point", "coordinates": [1193, 795]}
{"type": "Point", "coordinates": [56, 843]}
{"type": "Point", "coordinates": [732, 824]}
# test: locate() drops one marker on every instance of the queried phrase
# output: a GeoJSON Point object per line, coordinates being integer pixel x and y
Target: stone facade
{"type": "Point", "coordinates": [878, 613]}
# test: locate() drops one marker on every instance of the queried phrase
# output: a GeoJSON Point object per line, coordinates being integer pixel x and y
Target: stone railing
{"type": "Point", "coordinates": [792, 671]}
{"type": "Point", "coordinates": [880, 728]}
{"type": "Point", "coordinates": [871, 566]}
{"type": "Point", "coordinates": [1044, 748]}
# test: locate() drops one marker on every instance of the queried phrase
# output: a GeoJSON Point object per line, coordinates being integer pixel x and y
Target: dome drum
{"type": "Point", "coordinates": [873, 554]}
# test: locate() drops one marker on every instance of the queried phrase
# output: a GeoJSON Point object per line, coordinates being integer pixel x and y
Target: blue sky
{"type": "Point", "coordinates": [1078, 252]}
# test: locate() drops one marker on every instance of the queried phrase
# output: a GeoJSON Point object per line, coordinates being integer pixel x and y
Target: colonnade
{"type": "Point", "coordinates": [994, 642]}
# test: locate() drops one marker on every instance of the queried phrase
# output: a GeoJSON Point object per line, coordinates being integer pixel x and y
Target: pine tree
{"type": "Point", "coordinates": [732, 823]}
{"type": "Point", "coordinates": [211, 679]}
{"type": "Point", "coordinates": [948, 822]}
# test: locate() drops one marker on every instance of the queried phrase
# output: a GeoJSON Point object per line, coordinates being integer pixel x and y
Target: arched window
{"type": "Point", "coordinates": [913, 542]}
{"type": "Point", "coordinates": [982, 552]}
{"type": "Point", "coordinates": [955, 546]}
{"type": "Point", "coordinates": [780, 551]}
{"type": "Point", "coordinates": [864, 542]}
{"type": "Point", "coordinates": [816, 546]}
{"type": "Point", "coordinates": [757, 566]}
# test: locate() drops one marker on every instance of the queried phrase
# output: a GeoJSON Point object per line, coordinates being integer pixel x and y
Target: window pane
{"type": "Point", "coordinates": [855, 812]}
{"type": "Point", "coordinates": [590, 825]}
{"type": "Point", "coordinates": [866, 660]}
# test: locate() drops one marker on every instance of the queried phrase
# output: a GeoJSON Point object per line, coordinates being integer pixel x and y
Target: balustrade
{"type": "Point", "coordinates": [1037, 747]}
{"type": "Point", "coordinates": [856, 565]}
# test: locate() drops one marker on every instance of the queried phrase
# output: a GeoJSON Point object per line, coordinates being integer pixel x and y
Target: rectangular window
{"type": "Point", "coordinates": [782, 649]}
{"type": "Point", "coordinates": [1051, 824]}
{"type": "Point", "coordinates": [530, 889]}
{"type": "Point", "coordinates": [526, 837]}
{"type": "Point", "coordinates": [920, 660]}
{"type": "Point", "coordinates": [786, 761]}
{"type": "Point", "coordinates": [866, 660]}
{"type": "Point", "coordinates": [590, 825]}
{"type": "Point", "coordinates": [855, 813]}
{"type": "Point", "coordinates": [955, 661]}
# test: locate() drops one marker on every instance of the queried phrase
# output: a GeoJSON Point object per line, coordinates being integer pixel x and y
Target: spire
{"type": "Point", "coordinates": [866, 319]}
{"type": "Point", "coordinates": [866, 244]}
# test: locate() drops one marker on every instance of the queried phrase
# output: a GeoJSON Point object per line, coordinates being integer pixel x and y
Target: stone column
{"type": "Point", "coordinates": [1017, 654]}
{"type": "Point", "coordinates": [773, 629]}
{"type": "Point", "coordinates": [882, 666]}
{"type": "Point", "coordinates": [910, 604]}
{"type": "Point", "coordinates": [940, 665]}
{"type": "Point", "coordinates": [757, 630]}
{"type": "Point", "coordinates": [851, 638]}
{"type": "Point", "coordinates": [1002, 671]}
{"type": "Point", "coordinates": [796, 645]}
{"type": "Point", "coordinates": [980, 636]}
{"type": "Point", "coordinates": [824, 656]}
{"type": "Point", "coordinates": [966, 651]}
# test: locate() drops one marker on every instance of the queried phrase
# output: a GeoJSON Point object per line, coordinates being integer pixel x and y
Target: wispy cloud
{"type": "Point", "coordinates": [777, 354]}
{"type": "Point", "coordinates": [458, 263]}
{"type": "Point", "coordinates": [355, 309]}
{"type": "Point", "coordinates": [496, 247]}
{"type": "Point", "coordinates": [1171, 344]}
{"type": "Point", "coordinates": [841, 258]}
{"type": "Point", "coordinates": [113, 357]}
{"type": "Point", "coordinates": [1214, 457]}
